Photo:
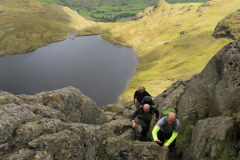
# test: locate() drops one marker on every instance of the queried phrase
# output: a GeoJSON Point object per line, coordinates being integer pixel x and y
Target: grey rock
{"type": "Point", "coordinates": [118, 148]}
{"type": "Point", "coordinates": [32, 130]}
{"type": "Point", "coordinates": [23, 154]}
{"type": "Point", "coordinates": [6, 98]}
{"type": "Point", "coordinates": [206, 134]}
{"type": "Point", "coordinates": [79, 142]}
{"type": "Point", "coordinates": [229, 26]}
{"type": "Point", "coordinates": [216, 89]}
{"type": "Point", "coordinates": [12, 115]}
{"type": "Point", "coordinates": [3, 148]}
{"type": "Point", "coordinates": [119, 125]}
{"type": "Point", "coordinates": [71, 102]}
{"type": "Point", "coordinates": [110, 115]}
{"type": "Point", "coordinates": [129, 134]}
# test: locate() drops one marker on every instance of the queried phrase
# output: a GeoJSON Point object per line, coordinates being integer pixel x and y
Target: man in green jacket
{"type": "Point", "coordinates": [145, 113]}
{"type": "Point", "coordinates": [167, 128]}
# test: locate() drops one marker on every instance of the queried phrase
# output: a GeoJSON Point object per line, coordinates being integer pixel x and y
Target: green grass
{"type": "Point", "coordinates": [85, 33]}
{"type": "Point", "coordinates": [113, 41]}
{"type": "Point", "coordinates": [164, 55]}
{"type": "Point", "coordinates": [118, 110]}
{"type": "Point", "coordinates": [35, 25]}
{"type": "Point", "coordinates": [107, 6]}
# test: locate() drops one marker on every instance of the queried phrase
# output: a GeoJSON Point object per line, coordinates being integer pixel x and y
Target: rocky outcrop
{"type": "Point", "coordinates": [40, 126]}
{"type": "Point", "coordinates": [229, 26]}
{"type": "Point", "coordinates": [50, 125]}
{"type": "Point", "coordinates": [210, 94]}
{"type": "Point", "coordinates": [118, 126]}
{"type": "Point", "coordinates": [170, 97]}
{"type": "Point", "coordinates": [118, 148]}
{"type": "Point", "coordinates": [206, 135]}
{"type": "Point", "coordinates": [76, 141]}
{"type": "Point", "coordinates": [71, 102]}
{"type": "Point", "coordinates": [216, 89]}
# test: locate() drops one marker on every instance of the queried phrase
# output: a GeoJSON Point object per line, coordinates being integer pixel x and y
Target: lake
{"type": "Point", "coordinates": [100, 70]}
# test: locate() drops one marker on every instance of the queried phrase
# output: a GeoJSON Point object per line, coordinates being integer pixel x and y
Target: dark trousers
{"type": "Point", "coordinates": [145, 124]}
{"type": "Point", "coordinates": [163, 136]}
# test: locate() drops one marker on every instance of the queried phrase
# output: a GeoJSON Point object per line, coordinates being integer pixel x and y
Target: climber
{"type": "Point", "coordinates": [139, 95]}
{"type": "Point", "coordinates": [166, 128]}
{"type": "Point", "coordinates": [145, 113]}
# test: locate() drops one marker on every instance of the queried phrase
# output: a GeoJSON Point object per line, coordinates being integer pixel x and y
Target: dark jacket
{"type": "Point", "coordinates": [143, 115]}
{"type": "Point", "coordinates": [139, 96]}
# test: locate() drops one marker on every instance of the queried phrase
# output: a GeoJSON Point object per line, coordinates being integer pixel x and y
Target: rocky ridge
{"type": "Point", "coordinates": [229, 26]}
{"type": "Point", "coordinates": [208, 108]}
{"type": "Point", "coordinates": [65, 124]}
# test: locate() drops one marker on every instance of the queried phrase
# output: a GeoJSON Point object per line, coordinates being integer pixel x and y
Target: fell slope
{"type": "Point", "coordinates": [34, 24]}
{"type": "Point", "coordinates": [173, 41]}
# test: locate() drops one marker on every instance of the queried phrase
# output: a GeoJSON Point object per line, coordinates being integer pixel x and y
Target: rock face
{"type": "Point", "coordinates": [40, 126]}
{"type": "Point", "coordinates": [118, 148]}
{"type": "Point", "coordinates": [210, 94]}
{"type": "Point", "coordinates": [71, 102]}
{"type": "Point", "coordinates": [50, 125]}
{"type": "Point", "coordinates": [76, 141]}
{"type": "Point", "coordinates": [170, 97]}
{"type": "Point", "coordinates": [229, 26]}
{"type": "Point", "coordinates": [216, 89]}
{"type": "Point", "coordinates": [206, 135]}
{"type": "Point", "coordinates": [119, 125]}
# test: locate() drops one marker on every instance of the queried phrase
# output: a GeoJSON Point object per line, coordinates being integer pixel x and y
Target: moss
{"type": "Point", "coordinates": [184, 137]}
{"type": "Point", "coordinates": [11, 142]}
{"type": "Point", "coordinates": [101, 151]}
{"type": "Point", "coordinates": [118, 110]}
{"type": "Point", "coordinates": [19, 126]}
{"type": "Point", "coordinates": [129, 140]}
{"type": "Point", "coordinates": [228, 113]}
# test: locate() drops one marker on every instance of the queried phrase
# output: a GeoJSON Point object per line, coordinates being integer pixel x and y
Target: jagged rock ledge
{"type": "Point", "coordinates": [65, 124]}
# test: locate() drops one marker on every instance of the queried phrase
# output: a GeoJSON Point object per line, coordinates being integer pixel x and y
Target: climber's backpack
{"type": "Point", "coordinates": [167, 111]}
{"type": "Point", "coordinates": [147, 100]}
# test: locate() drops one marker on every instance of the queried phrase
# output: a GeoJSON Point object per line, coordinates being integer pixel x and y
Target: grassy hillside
{"type": "Point", "coordinates": [33, 24]}
{"type": "Point", "coordinates": [173, 41]}
{"type": "Point", "coordinates": [105, 10]}
{"type": "Point", "coordinates": [110, 10]}
{"type": "Point", "coordinates": [185, 1]}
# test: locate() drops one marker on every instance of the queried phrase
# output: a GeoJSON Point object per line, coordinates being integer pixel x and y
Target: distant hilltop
{"type": "Point", "coordinates": [35, 24]}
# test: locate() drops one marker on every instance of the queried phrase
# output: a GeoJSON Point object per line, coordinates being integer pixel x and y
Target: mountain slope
{"type": "Point", "coordinates": [27, 24]}
{"type": "Point", "coordinates": [173, 41]}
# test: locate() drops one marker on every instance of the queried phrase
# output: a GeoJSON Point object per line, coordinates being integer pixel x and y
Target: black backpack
{"type": "Point", "coordinates": [147, 100]}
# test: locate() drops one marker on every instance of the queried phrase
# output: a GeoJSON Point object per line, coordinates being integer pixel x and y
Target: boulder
{"type": "Point", "coordinates": [170, 97]}
{"type": "Point", "coordinates": [129, 134]}
{"type": "Point", "coordinates": [206, 135]}
{"type": "Point", "coordinates": [71, 102]}
{"type": "Point", "coordinates": [216, 89]}
{"type": "Point", "coordinates": [118, 148]}
{"type": "Point", "coordinates": [6, 98]}
{"type": "Point", "coordinates": [32, 130]}
{"type": "Point", "coordinates": [110, 115]}
{"type": "Point", "coordinates": [229, 26]}
{"type": "Point", "coordinates": [11, 116]}
{"type": "Point", "coordinates": [119, 125]}
{"type": "Point", "coordinates": [79, 141]}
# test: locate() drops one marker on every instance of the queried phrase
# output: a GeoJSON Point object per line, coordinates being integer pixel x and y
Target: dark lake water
{"type": "Point", "coordinates": [100, 70]}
